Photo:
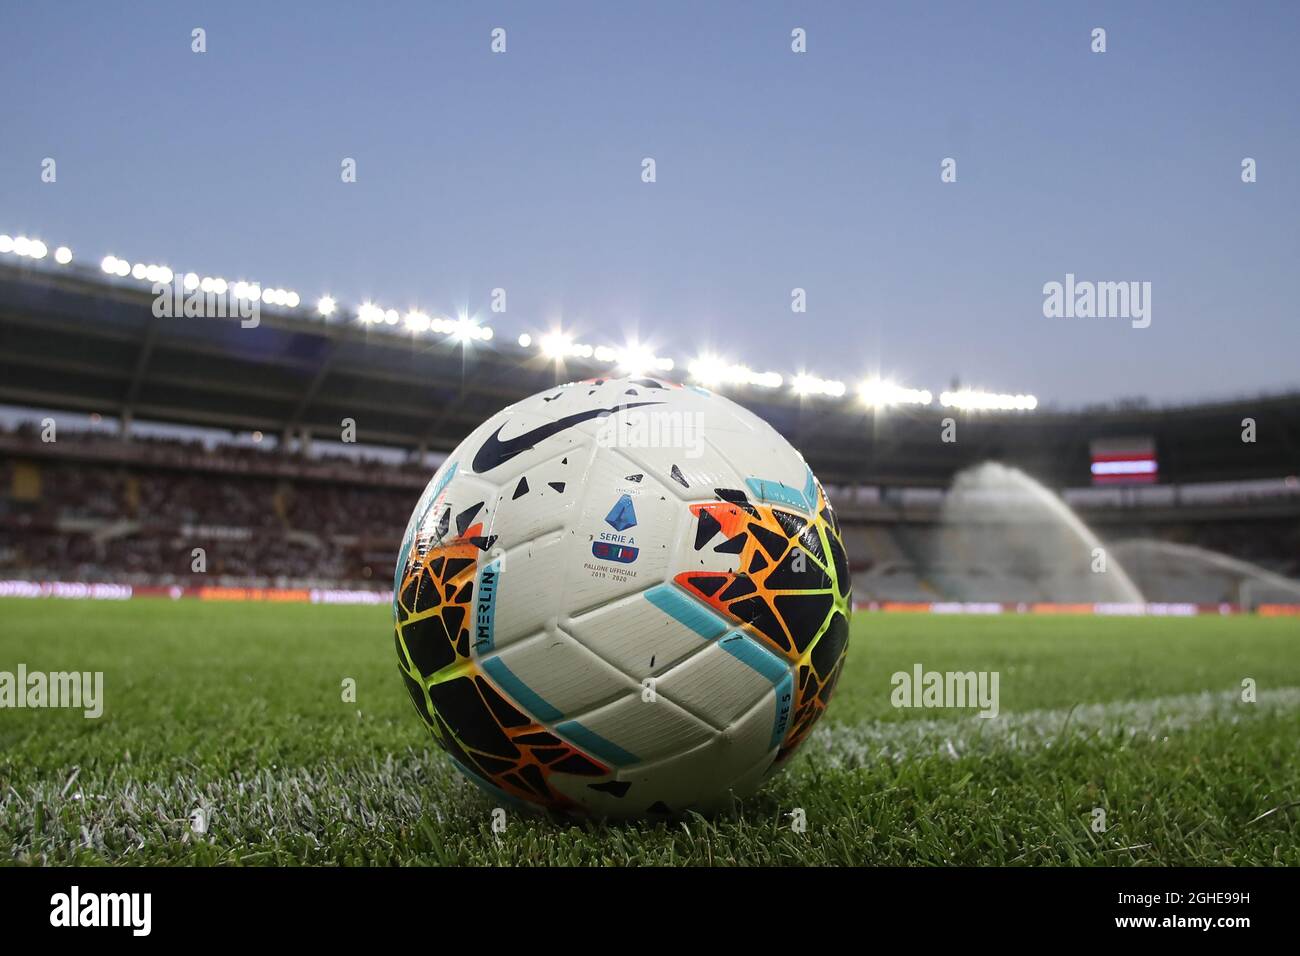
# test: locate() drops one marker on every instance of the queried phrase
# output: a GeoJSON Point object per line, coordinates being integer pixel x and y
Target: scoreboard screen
{"type": "Point", "coordinates": [1124, 461]}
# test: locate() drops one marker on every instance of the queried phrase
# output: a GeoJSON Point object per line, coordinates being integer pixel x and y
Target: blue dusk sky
{"type": "Point", "coordinates": [775, 170]}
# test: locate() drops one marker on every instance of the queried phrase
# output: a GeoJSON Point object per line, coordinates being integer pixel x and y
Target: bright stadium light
{"type": "Point", "coordinates": [635, 359]}
{"type": "Point", "coordinates": [165, 274]}
{"type": "Point", "coordinates": [325, 306]}
{"type": "Point", "coordinates": [37, 250]}
{"type": "Point", "coordinates": [139, 270]}
{"type": "Point", "coordinates": [109, 264]}
{"type": "Point", "coordinates": [292, 299]}
{"type": "Point", "coordinates": [880, 394]}
{"type": "Point", "coordinates": [417, 321]}
{"type": "Point", "coordinates": [976, 400]}
{"type": "Point", "coordinates": [804, 384]}
{"type": "Point", "coordinates": [713, 371]}
{"type": "Point", "coordinates": [151, 273]}
{"type": "Point", "coordinates": [6, 243]}
{"type": "Point", "coordinates": [22, 245]}
{"type": "Point", "coordinates": [63, 255]}
{"type": "Point", "coordinates": [207, 285]}
{"type": "Point", "coordinates": [525, 340]}
{"type": "Point", "coordinates": [556, 345]}
{"type": "Point", "coordinates": [463, 329]}
{"type": "Point", "coordinates": [123, 268]}
{"type": "Point", "coordinates": [191, 280]}
{"type": "Point", "coordinates": [710, 370]}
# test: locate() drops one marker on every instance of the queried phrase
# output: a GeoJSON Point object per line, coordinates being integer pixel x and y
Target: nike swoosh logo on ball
{"type": "Point", "coordinates": [497, 452]}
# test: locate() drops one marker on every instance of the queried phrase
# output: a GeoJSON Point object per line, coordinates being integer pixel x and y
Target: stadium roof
{"type": "Point", "coordinates": [77, 340]}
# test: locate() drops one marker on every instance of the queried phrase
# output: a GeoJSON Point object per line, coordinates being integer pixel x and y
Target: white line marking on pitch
{"type": "Point", "coordinates": [851, 745]}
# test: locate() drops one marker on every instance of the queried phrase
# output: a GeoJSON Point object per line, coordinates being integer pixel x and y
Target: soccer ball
{"type": "Point", "coordinates": [622, 597]}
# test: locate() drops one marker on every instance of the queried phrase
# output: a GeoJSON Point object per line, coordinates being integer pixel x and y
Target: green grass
{"type": "Point", "coordinates": [238, 707]}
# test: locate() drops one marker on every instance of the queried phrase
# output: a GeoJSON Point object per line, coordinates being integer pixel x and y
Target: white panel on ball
{"type": "Point", "coordinates": [637, 637]}
{"type": "Point", "coordinates": [567, 677]}
{"type": "Point", "coordinates": [714, 685]}
{"type": "Point", "coordinates": [643, 730]}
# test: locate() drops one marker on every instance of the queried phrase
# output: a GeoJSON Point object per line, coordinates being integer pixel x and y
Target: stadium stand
{"type": "Point", "coordinates": [125, 504]}
{"type": "Point", "coordinates": [115, 512]}
{"type": "Point", "coordinates": [94, 508]}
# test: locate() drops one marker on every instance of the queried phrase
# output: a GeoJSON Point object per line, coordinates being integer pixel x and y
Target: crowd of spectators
{"type": "Point", "coordinates": [135, 522]}
{"type": "Point", "coordinates": [104, 510]}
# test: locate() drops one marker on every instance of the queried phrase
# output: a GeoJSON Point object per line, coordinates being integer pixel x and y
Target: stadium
{"type": "Point", "coordinates": [265, 484]}
{"type": "Point", "coordinates": [172, 435]}
{"type": "Point", "coordinates": [205, 485]}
